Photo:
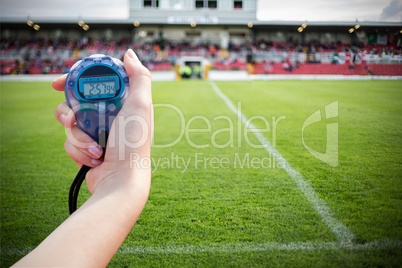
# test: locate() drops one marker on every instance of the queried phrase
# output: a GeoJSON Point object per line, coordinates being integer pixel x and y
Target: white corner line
{"type": "Point", "coordinates": [340, 230]}
{"type": "Point", "coordinates": [239, 247]}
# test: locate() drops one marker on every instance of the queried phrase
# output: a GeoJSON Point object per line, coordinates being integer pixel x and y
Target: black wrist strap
{"type": "Point", "coordinates": [75, 188]}
{"type": "Point", "coordinates": [79, 179]}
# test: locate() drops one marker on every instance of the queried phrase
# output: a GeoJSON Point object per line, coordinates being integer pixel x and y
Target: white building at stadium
{"type": "Point", "coordinates": [216, 21]}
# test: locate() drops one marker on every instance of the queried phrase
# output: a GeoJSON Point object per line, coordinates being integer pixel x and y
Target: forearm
{"type": "Point", "coordinates": [92, 235]}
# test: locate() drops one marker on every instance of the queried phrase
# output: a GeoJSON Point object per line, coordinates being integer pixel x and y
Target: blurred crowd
{"type": "Point", "coordinates": [46, 56]}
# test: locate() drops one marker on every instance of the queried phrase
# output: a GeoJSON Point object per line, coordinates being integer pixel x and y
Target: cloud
{"type": "Point", "coordinates": [393, 11]}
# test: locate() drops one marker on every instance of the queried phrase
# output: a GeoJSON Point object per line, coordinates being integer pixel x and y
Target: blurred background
{"type": "Point", "coordinates": [239, 215]}
{"type": "Point", "coordinates": [191, 37]}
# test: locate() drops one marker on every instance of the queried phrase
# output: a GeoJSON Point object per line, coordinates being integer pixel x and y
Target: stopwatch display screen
{"type": "Point", "coordinates": [99, 89]}
{"type": "Point", "coordinates": [95, 88]}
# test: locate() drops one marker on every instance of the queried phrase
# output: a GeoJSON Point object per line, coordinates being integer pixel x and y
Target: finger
{"type": "Point", "coordinates": [65, 115]}
{"type": "Point", "coordinates": [79, 157]}
{"type": "Point", "coordinates": [84, 143]}
{"type": "Point", "coordinates": [140, 83]}
{"type": "Point", "coordinates": [138, 106]}
{"type": "Point", "coordinates": [58, 84]}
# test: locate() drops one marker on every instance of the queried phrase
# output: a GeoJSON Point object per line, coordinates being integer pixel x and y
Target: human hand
{"type": "Point", "coordinates": [91, 235]}
{"type": "Point", "coordinates": [131, 131]}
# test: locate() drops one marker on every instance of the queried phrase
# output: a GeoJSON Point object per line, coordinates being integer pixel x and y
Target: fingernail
{"type": "Point", "coordinates": [131, 54]}
{"type": "Point", "coordinates": [96, 162]}
{"type": "Point", "coordinates": [95, 151]}
{"type": "Point", "coordinates": [63, 118]}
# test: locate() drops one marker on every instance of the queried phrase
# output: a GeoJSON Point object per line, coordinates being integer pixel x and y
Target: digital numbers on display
{"type": "Point", "coordinates": [99, 88]}
{"type": "Point", "coordinates": [93, 88]}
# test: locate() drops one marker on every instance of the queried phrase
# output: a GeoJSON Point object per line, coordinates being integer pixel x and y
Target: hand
{"type": "Point", "coordinates": [84, 151]}
{"type": "Point", "coordinates": [92, 234]}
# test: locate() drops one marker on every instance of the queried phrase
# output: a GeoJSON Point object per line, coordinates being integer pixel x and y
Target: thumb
{"type": "Point", "coordinates": [139, 80]}
{"type": "Point", "coordinates": [133, 126]}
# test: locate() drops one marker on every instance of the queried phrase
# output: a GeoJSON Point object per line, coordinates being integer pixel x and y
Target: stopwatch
{"type": "Point", "coordinates": [95, 89]}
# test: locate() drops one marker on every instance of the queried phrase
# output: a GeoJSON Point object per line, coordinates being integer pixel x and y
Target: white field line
{"type": "Point", "coordinates": [340, 230]}
{"type": "Point", "coordinates": [244, 247]}
{"type": "Point", "coordinates": [241, 247]}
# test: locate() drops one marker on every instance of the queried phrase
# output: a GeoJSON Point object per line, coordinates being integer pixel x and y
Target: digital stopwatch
{"type": "Point", "coordinates": [96, 88]}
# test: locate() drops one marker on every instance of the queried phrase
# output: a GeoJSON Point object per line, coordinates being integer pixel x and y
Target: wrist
{"type": "Point", "coordinates": [123, 179]}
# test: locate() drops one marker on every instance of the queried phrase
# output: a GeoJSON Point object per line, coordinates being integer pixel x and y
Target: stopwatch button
{"type": "Point", "coordinates": [96, 56]}
{"type": "Point", "coordinates": [111, 107]}
{"type": "Point", "coordinates": [70, 83]}
{"type": "Point", "coordinates": [118, 62]}
{"type": "Point", "coordinates": [117, 104]}
{"type": "Point", "coordinates": [87, 123]}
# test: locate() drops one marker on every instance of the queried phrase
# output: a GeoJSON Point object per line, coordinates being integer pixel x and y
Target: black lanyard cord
{"type": "Point", "coordinates": [79, 179]}
{"type": "Point", "coordinates": [75, 188]}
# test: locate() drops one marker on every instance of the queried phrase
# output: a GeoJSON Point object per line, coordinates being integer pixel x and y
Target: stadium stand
{"type": "Point", "coordinates": [57, 56]}
{"type": "Point", "coordinates": [227, 33]}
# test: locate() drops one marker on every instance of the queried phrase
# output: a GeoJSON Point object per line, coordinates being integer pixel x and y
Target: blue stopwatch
{"type": "Point", "coordinates": [96, 88]}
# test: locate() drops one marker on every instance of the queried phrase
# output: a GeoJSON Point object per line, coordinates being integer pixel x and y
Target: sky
{"type": "Point", "coordinates": [331, 10]}
{"type": "Point", "coordinates": [271, 10]}
{"type": "Point", "coordinates": [108, 9]}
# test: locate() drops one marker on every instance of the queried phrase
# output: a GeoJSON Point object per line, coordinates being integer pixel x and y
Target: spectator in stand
{"type": "Point", "coordinates": [41, 53]}
{"type": "Point", "coordinates": [355, 54]}
{"type": "Point", "coordinates": [290, 68]}
{"type": "Point", "coordinates": [335, 58]}
{"type": "Point", "coordinates": [285, 65]}
{"type": "Point", "coordinates": [6, 69]}
{"type": "Point", "coordinates": [267, 67]}
{"type": "Point", "coordinates": [212, 50]}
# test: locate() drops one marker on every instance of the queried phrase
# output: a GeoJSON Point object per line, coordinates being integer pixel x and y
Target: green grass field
{"type": "Point", "coordinates": [232, 204]}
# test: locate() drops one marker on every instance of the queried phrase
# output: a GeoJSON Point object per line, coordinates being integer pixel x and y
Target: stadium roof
{"type": "Point", "coordinates": [199, 19]}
